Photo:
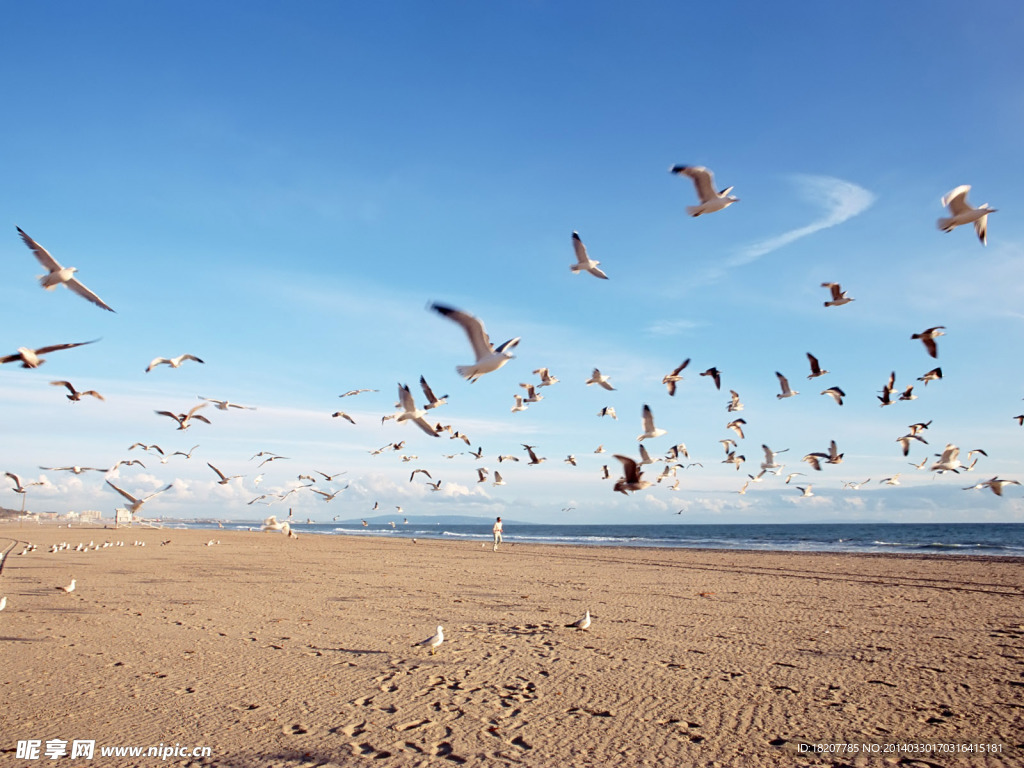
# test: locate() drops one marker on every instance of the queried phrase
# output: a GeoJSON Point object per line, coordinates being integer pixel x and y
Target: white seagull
{"type": "Point", "coordinates": [583, 623]}
{"type": "Point", "coordinates": [488, 357]}
{"type": "Point", "coordinates": [434, 641]}
{"type": "Point", "coordinates": [56, 274]}
{"type": "Point", "coordinates": [963, 213]}
{"type": "Point", "coordinates": [704, 181]}
{"type": "Point", "coordinates": [648, 422]}
{"type": "Point", "coordinates": [411, 413]}
{"type": "Point", "coordinates": [174, 362]}
{"type": "Point", "coordinates": [996, 484]}
{"type": "Point", "coordinates": [224, 479]}
{"type": "Point", "coordinates": [70, 587]}
{"type": "Point", "coordinates": [33, 358]}
{"type": "Point", "coordinates": [136, 503]}
{"type": "Point", "coordinates": [583, 262]}
{"type": "Point", "coordinates": [432, 400]}
{"type": "Point", "coordinates": [223, 405]}
{"type": "Point", "coordinates": [784, 383]}
{"type": "Point", "coordinates": [599, 378]}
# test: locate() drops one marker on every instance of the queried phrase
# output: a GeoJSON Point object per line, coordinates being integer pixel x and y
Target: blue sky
{"type": "Point", "coordinates": [282, 191]}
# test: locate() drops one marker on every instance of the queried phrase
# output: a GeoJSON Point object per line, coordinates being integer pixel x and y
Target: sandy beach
{"type": "Point", "coordinates": [272, 651]}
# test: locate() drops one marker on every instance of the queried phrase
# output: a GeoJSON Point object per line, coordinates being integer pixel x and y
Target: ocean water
{"type": "Point", "coordinates": [994, 539]}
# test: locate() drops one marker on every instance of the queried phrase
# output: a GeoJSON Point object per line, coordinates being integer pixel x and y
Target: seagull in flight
{"type": "Point", "coordinates": [835, 393]}
{"type": "Point", "coordinates": [546, 379]}
{"type": "Point", "coordinates": [75, 469]}
{"type": "Point", "coordinates": [488, 357]}
{"type": "Point", "coordinates": [185, 419]}
{"type": "Point", "coordinates": [648, 423]}
{"type": "Point", "coordinates": [996, 484]}
{"type": "Point", "coordinates": [599, 378]}
{"type": "Point", "coordinates": [670, 379]}
{"type": "Point", "coordinates": [136, 503]}
{"type": "Point", "coordinates": [533, 456]}
{"type": "Point", "coordinates": [432, 400]}
{"type": "Point", "coordinates": [174, 362]}
{"type": "Point", "coordinates": [583, 262]}
{"type": "Point", "coordinates": [33, 358]}
{"type": "Point", "coordinates": [839, 296]}
{"type": "Point", "coordinates": [56, 274]}
{"type": "Point", "coordinates": [75, 395]}
{"type": "Point", "coordinates": [224, 479]}
{"type": "Point", "coordinates": [716, 376]}
{"type": "Point", "coordinates": [223, 405]}
{"type": "Point", "coordinates": [352, 392]}
{"type": "Point", "coordinates": [963, 212]}
{"type": "Point", "coordinates": [411, 413]}
{"type": "Point", "coordinates": [632, 476]}
{"type": "Point", "coordinates": [19, 486]}
{"type": "Point", "coordinates": [784, 383]}
{"type": "Point", "coordinates": [704, 181]}
{"type": "Point", "coordinates": [928, 337]}
{"type": "Point", "coordinates": [816, 369]}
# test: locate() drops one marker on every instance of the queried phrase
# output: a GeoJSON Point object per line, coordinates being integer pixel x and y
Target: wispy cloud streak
{"type": "Point", "coordinates": [842, 200]}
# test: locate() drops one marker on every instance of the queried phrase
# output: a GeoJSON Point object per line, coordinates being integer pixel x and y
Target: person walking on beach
{"type": "Point", "coordinates": [497, 534]}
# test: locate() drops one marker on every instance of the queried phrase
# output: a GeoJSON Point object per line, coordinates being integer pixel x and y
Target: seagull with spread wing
{"type": "Point", "coordinates": [704, 182]}
{"type": "Point", "coordinates": [411, 413]}
{"type": "Point", "coordinates": [136, 503]}
{"type": "Point", "coordinates": [33, 358]}
{"type": "Point", "coordinates": [583, 262]}
{"type": "Point", "coordinates": [56, 274]}
{"type": "Point", "coordinates": [488, 357]}
{"type": "Point", "coordinates": [962, 212]}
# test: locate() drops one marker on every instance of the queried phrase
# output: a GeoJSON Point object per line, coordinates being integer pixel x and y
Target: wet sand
{"type": "Point", "coordinates": [300, 652]}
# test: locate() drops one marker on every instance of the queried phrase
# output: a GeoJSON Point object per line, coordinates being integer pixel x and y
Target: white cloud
{"type": "Point", "coordinates": [842, 200]}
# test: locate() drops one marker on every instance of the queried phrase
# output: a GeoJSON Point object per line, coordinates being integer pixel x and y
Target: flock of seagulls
{"type": "Point", "coordinates": [489, 359]}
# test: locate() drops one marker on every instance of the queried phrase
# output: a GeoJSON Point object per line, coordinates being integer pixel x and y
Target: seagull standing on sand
{"type": "Point", "coordinates": [704, 181]}
{"type": "Point", "coordinates": [434, 641]}
{"type": "Point", "coordinates": [963, 213]}
{"type": "Point", "coordinates": [583, 623]}
{"type": "Point", "coordinates": [174, 362]}
{"type": "Point", "coordinates": [70, 587]}
{"type": "Point", "coordinates": [56, 274]}
{"type": "Point", "coordinates": [488, 357]}
{"type": "Point", "coordinates": [583, 262]}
